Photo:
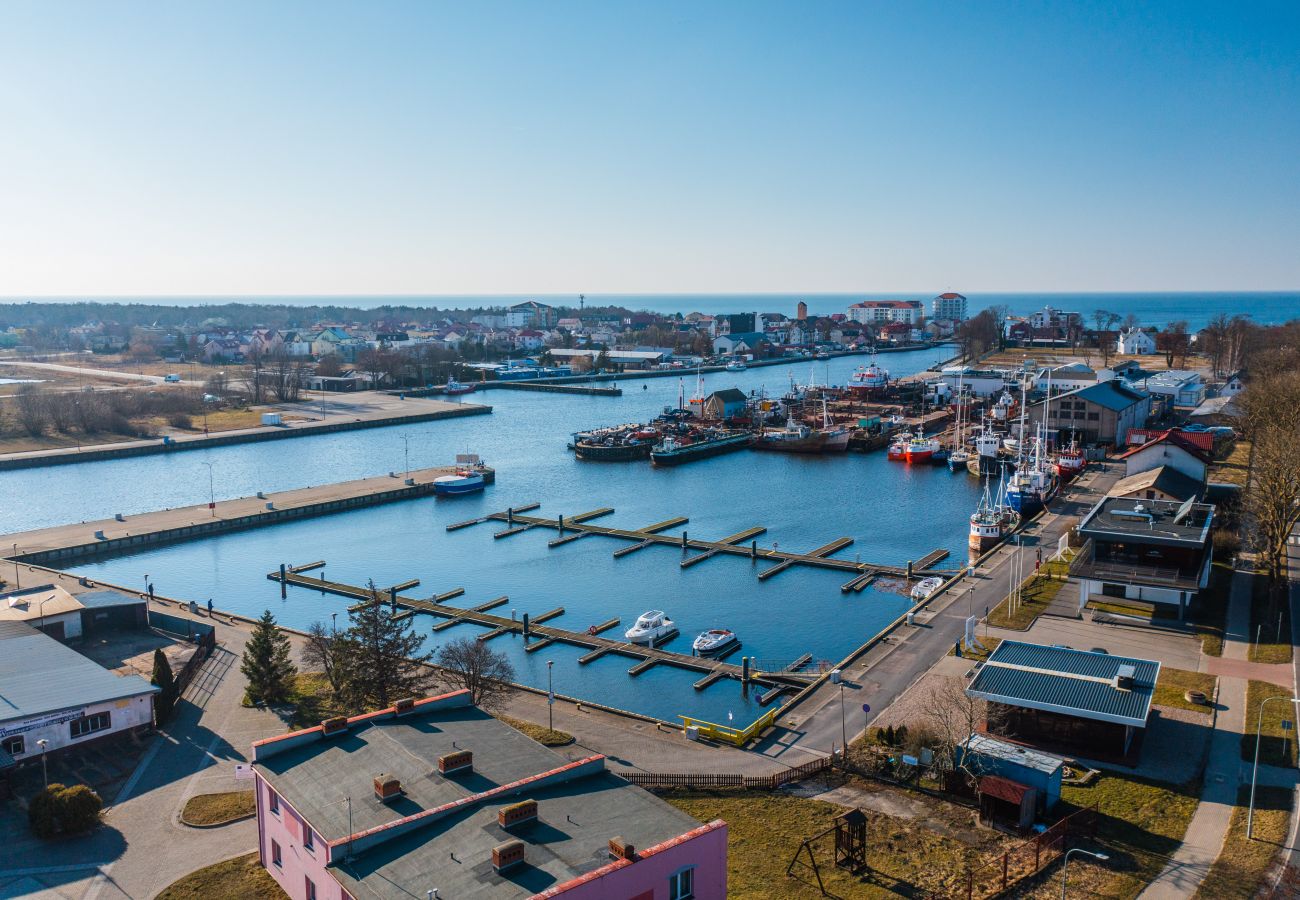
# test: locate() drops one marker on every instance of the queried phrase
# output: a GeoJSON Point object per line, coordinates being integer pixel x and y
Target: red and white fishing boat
{"type": "Point", "coordinates": [454, 387]}
{"type": "Point", "coordinates": [898, 448]}
{"type": "Point", "coordinates": [1070, 462]}
{"type": "Point", "coordinates": [920, 449]}
{"type": "Point", "coordinates": [869, 379]}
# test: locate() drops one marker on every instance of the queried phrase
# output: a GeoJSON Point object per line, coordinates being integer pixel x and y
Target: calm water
{"type": "Point", "coordinates": [894, 513]}
{"type": "Point", "coordinates": [1266, 308]}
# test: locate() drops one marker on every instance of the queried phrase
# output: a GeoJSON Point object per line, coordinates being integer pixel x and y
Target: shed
{"type": "Point", "coordinates": [1006, 802]}
{"type": "Point", "coordinates": [1024, 765]}
{"type": "Point", "coordinates": [725, 404]}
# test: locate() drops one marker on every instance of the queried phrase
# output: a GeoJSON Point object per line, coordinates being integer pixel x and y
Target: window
{"type": "Point", "coordinates": [89, 724]}
{"type": "Point", "coordinates": [273, 801]}
{"type": "Point", "coordinates": [1114, 590]}
{"type": "Point", "coordinates": [307, 838]}
{"type": "Point", "coordinates": [1094, 417]}
{"type": "Point", "coordinates": [275, 854]}
{"type": "Point", "coordinates": [311, 888]}
{"type": "Point", "coordinates": [681, 885]}
{"type": "Point", "coordinates": [13, 745]}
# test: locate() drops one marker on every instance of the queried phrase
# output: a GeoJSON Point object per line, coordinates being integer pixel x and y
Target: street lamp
{"type": "Point", "coordinates": [334, 617]}
{"type": "Point", "coordinates": [406, 445]}
{"type": "Point", "coordinates": [45, 772]}
{"type": "Point", "coordinates": [212, 496]}
{"type": "Point", "coordinates": [844, 733]}
{"type": "Point", "coordinates": [1065, 866]}
{"type": "Point", "coordinates": [1254, 772]}
{"type": "Point", "coordinates": [18, 582]}
{"type": "Point", "coordinates": [550, 696]}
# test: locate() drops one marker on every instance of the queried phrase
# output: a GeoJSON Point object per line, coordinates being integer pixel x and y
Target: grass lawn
{"type": "Point", "coordinates": [1242, 864]}
{"type": "Point", "coordinates": [1037, 593]}
{"type": "Point", "coordinates": [765, 831]}
{"type": "Point", "coordinates": [313, 701]}
{"type": "Point", "coordinates": [214, 809]}
{"type": "Point", "coordinates": [1277, 747]}
{"type": "Point", "coordinates": [540, 733]}
{"type": "Point", "coordinates": [1174, 682]}
{"type": "Point", "coordinates": [242, 878]}
{"type": "Point", "coordinates": [1274, 644]}
{"type": "Point", "coordinates": [1234, 467]}
{"type": "Point", "coordinates": [1208, 611]}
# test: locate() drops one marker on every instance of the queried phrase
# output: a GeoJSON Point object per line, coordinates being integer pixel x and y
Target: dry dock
{"type": "Point", "coordinates": [134, 532]}
{"type": "Point", "coordinates": [538, 635]}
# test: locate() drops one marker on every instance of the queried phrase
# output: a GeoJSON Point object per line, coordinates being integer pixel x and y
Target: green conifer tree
{"type": "Point", "coordinates": [386, 661]}
{"type": "Point", "coordinates": [266, 663]}
{"type": "Point", "coordinates": [164, 702]}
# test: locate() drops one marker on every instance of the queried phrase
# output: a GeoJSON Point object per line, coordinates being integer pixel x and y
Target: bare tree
{"type": "Point", "coordinates": [472, 665]}
{"type": "Point", "coordinates": [328, 653]}
{"type": "Point", "coordinates": [1271, 419]}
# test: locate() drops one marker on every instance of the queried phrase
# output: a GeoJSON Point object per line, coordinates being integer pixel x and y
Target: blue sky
{"type": "Point", "coordinates": [196, 148]}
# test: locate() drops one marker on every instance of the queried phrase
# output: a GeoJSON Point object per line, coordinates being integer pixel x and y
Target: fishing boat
{"type": "Point", "coordinates": [898, 448]}
{"type": "Point", "coordinates": [674, 450]}
{"type": "Point", "coordinates": [735, 365]}
{"type": "Point", "coordinates": [821, 354]}
{"type": "Point", "coordinates": [1070, 461]}
{"type": "Point", "coordinates": [714, 641]}
{"type": "Point", "coordinates": [926, 587]}
{"type": "Point", "coordinates": [465, 481]}
{"type": "Point", "coordinates": [987, 525]}
{"type": "Point", "coordinates": [920, 448]}
{"type": "Point", "coordinates": [869, 379]}
{"type": "Point", "coordinates": [796, 437]}
{"type": "Point", "coordinates": [454, 387]}
{"type": "Point", "coordinates": [653, 627]}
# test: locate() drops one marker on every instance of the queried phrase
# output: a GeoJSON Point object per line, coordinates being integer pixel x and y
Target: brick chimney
{"type": "Point", "coordinates": [621, 849]}
{"type": "Point", "coordinates": [387, 788]}
{"type": "Point", "coordinates": [516, 814]}
{"type": "Point", "coordinates": [508, 855]}
{"type": "Point", "coordinates": [459, 763]}
{"type": "Point", "coordinates": [335, 725]}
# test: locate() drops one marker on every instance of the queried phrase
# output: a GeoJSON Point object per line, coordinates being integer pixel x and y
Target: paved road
{"type": "Point", "coordinates": [98, 373]}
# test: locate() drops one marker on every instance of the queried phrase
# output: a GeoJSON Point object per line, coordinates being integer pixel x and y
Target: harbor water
{"type": "Point", "coordinates": [894, 513]}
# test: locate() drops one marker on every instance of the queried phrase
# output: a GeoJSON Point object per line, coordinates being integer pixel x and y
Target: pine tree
{"type": "Point", "coordinates": [266, 662]}
{"type": "Point", "coordinates": [386, 661]}
{"type": "Point", "coordinates": [165, 701]}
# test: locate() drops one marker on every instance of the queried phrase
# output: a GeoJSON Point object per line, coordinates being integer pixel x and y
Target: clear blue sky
{"type": "Point", "coordinates": [427, 147]}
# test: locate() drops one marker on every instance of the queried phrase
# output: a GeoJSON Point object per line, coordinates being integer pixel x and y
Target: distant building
{"type": "Point", "coordinates": [530, 314]}
{"type": "Point", "coordinates": [435, 793]}
{"type": "Point", "coordinates": [1177, 387]}
{"type": "Point", "coordinates": [1135, 342]}
{"type": "Point", "coordinates": [1160, 483]}
{"type": "Point", "coordinates": [949, 307]}
{"type": "Point", "coordinates": [1103, 413]}
{"type": "Point", "coordinates": [739, 342]}
{"type": "Point", "coordinates": [725, 404]}
{"type": "Point", "coordinates": [880, 312]}
{"type": "Point", "coordinates": [801, 311]}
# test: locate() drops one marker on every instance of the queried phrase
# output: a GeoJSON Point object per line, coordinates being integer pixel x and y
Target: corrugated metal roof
{"type": "Point", "coordinates": [106, 599]}
{"type": "Point", "coordinates": [1073, 682]}
{"type": "Point", "coordinates": [40, 675]}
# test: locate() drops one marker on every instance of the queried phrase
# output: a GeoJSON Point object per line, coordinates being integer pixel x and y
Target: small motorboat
{"type": "Point", "coordinates": [651, 628]}
{"type": "Point", "coordinates": [454, 387]}
{"type": "Point", "coordinates": [465, 481]}
{"type": "Point", "coordinates": [925, 587]}
{"type": "Point", "coordinates": [714, 641]}
{"type": "Point", "coordinates": [735, 365]}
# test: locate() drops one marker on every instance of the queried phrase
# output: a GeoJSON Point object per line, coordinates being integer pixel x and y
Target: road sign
{"type": "Point", "coordinates": [1286, 724]}
{"type": "Point", "coordinates": [866, 707]}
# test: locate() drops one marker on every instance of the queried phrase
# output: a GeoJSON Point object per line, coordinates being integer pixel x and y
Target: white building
{"type": "Point", "coordinates": [54, 694]}
{"type": "Point", "coordinates": [1135, 342]}
{"type": "Point", "coordinates": [948, 307]}
{"type": "Point", "coordinates": [882, 312]}
{"type": "Point", "coordinates": [48, 607]}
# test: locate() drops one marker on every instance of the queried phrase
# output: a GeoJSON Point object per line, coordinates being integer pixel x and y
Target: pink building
{"type": "Point", "coordinates": [437, 796]}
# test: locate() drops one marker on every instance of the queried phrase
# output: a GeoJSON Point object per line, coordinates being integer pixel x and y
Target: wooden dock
{"type": "Point", "coordinates": [571, 528]}
{"type": "Point", "coordinates": [541, 635]}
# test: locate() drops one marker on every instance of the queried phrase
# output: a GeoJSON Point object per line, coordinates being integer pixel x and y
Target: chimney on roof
{"type": "Point", "coordinates": [403, 706]}
{"type": "Point", "coordinates": [517, 814]}
{"type": "Point", "coordinates": [459, 763]}
{"type": "Point", "coordinates": [334, 725]}
{"type": "Point", "coordinates": [621, 849]}
{"type": "Point", "coordinates": [508, 855]}
{"type": "Point", "coordinates": [387, 788]}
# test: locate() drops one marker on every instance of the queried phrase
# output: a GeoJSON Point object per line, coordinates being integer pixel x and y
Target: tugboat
{"type": "Point", "coordinates": [454, 387]}
{"type": "Point", "coordinates": [653, 627]}
{"type": "Point", "coordinates": [735, 365]}
{"type": "Point", "coordinates": [675, 450]}
{"type": "Point", "coordinates": [715, 642]}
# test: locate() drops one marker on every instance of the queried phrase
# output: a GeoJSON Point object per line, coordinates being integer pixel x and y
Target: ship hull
{"type": "Point", "coordinates": [692, 452]}
{"type": "Point", "coordinates": [613, 453]}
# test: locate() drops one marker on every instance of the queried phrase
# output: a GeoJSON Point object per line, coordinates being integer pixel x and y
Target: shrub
{"type": "Point", "coordinates": [180, 420]}
{"type": "Point", "coordinates": [60, 809]}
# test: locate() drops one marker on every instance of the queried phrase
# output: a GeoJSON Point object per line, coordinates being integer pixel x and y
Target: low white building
{"type": "Point", "coordinates": [1135, 342]}
{"type": "Point", "coordinates": [54, 694]}
{"type": "Point", "coordinates": [977, 382]}
{"type": "Point", "coordinates": [47, 607]}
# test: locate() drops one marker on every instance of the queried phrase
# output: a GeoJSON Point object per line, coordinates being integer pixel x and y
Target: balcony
{"type": "Point", "coordinates": [1133, 570]}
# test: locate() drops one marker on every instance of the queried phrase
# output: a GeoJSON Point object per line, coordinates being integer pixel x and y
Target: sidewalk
{"type": "Point", "coordinates": [1224, 769]}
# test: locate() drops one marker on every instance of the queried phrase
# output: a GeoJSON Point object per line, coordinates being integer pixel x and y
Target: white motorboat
{"type": "Point", "coordinates": [736, 365]}
{"type": "Point", "coordinates": [714, 641]}
{"type": "Point", "coordinates": [653, 627]}
{"type": "Point", "coordinates": [925, 587]}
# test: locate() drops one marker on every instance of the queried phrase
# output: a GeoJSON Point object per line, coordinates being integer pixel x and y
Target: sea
{"type": "Point", "coordinates": [1151, 309]}
{"type": "Point", "coordinates": [893, 512]}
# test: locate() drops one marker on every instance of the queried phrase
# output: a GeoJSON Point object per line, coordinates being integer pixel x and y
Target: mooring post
{"type": "Point", "coordinates": [683, 540]}
{"type": "Point", "coordinates": [525, 626]}
{"type": "Point", "coordinates": [284, 583]}
{"type": "Point", "coordinates": [909, 570]}
{"type": "Point", "coordinates": [392, 598]}
{"type": "Point", "coordinates": [744, 670]}
{"type": "Point", "coordinates": [753, 549]}
{"type": "Point", "coordinates": [561, 523]}
{"type": "Point", "coordinates": [510, 515]}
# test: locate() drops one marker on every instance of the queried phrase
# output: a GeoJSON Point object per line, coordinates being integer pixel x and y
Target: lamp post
{"type": "Point", "coordinates": [1254, 772]}
{"type": "Point", "coordinates": [1066, 865]}
{"type": "Point", "coordinates": [550, 697]}
{"type": "Point", "coordinates": [334, 617]}
{"type": "Point", "coordinates": [40, 613]}
{"type": "Point", "coordinates": [45, 771]}
{"type": "Point", "coordinates": [18, 582]}
{"type": "Point", "coordinates": [844, 732]}
{"type": "Point", "coordinates": [406, 446]}
{"type": "Point", "coordinates": [212, 496]}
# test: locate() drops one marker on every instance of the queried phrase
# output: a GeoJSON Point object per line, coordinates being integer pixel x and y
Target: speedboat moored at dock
{"type": "Point", "coordinates": [714, 641]}
{"type": "Point", "coordinates": [651, 628]}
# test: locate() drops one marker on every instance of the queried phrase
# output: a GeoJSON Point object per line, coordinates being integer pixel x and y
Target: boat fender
{"type": "Point", "coordinates": [591, 629]}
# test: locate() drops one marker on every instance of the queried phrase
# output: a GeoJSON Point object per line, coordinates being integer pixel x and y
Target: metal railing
{"type": "Point", "coordinates": [1086, 565]}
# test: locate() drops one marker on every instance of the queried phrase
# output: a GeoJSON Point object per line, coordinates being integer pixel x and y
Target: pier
{"type": "Point", "coordinates": [822, 557]}
{"type": "Point", "coordinates": [537, 635]}
{"type": "Point", "coordinates": [50, 546]}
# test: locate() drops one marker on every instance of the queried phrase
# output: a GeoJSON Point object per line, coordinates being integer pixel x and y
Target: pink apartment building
{"type": "Point", "coordinates": [436, 799]}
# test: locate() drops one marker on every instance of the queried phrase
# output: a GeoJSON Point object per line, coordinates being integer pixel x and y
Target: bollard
{"type": "Point", "coordinates": [561, 523]}
{"type": "Point", "coordinates": [510, 516]}
{"type": "Point", "coordinates": [744, 670]}
{"type": "Point", "coordinates": [284, 585]}
{"type": "Point", "coordinates": [909, 570]}
{"type": "Point", "coordinates": [683, 540]}
{"type": "Point", "coordinates": [392, 599]}
{"type": "Point", "coordinates": [753, 549]}
{"type": "Point", "coordinates": [525, 626]}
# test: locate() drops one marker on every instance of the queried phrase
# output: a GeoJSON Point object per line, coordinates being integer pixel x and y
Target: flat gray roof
{"type": "Point", "coordinates": [1071, 682]}
{"type": "Point", "coordinates": [987, 745]}
{"type": "Point", "coordinates": [40, 675]}
{"type": "Point", "coordinates": [1149, 521]}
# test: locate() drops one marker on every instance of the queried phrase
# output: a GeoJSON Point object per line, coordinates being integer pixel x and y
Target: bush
{"type": "Point", "coordinates": [180, 420]}
{"type": "Point", "coordinates": [60, 809]}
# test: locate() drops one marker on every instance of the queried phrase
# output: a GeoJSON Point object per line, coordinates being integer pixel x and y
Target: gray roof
{"type": "Point", "coordinates": [987, 745]}
{"type": "Point", "coordinates": [1110, 394]}
{"type": "Point", "coordinates": [1149, 522]}
{"type": "Point", "coordinates": [40, 675]}
{"type": "Point", "coordinates": [1072, 682]}
{"type": "Point", "coordinates": [570, 838]}
{"type": "Point", "coordinates": [1166, 479]}
{"type": "Point", "coordinates": [107, 599]}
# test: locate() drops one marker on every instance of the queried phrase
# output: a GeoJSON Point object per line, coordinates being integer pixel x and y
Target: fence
{"type": "Point", "coordinates": [202, 634]}
{"type": "Point", "coordinates": [998, 874]}
{"type": "Point", "coordinates": [738, 736]}
{"type": "Point", "coordinates": [711, 780]}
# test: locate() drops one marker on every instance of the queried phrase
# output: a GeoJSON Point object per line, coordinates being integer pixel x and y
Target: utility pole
{"type": "Point", "coordinates": [550, 697]}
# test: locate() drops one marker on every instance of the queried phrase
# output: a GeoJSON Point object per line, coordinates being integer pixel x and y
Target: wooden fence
{"type": "Point", "coordinates": [996, 876]}
{"type": "Point", "coordinates": [713, 780]}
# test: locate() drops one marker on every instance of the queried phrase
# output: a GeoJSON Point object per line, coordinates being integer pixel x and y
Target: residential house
{"type": "Point", "coordinates": [739, 342]}
{"type": "Point", "coordinates": [531, 314]}
{"type": "Point", "coordinates": [436, 794]}
{"type": "Point", "coordinates": [879, 312]}
{"type": "Point", "coordinates": [1135, 342]}
{"type": "Point", "coordinates": [529, 339]}
{"type": "Point", "coordinates": [223, 349]}
{"type": "Point", "coordinates": [1103, 413]}
{"type": "Point", "coordinates": [1160, 483]}
{"type": "Point", "coordinates": [1177, 387]}
{"type": "Point", "coordinates": [1154, 551]}
{"type": "Point", "coordinates": [1188, 452]}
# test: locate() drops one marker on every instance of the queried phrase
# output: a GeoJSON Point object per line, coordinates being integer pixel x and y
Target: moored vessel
{"type": "Point", "coordinates": [714, 641]}
{"type": "Point", "coordinates": [652, 627]}
{"type": "Point", "coordinates": [675, 450]}
{"type": "Point", "coordinates": [454, 387]}
{"type": "Point", "coordinates": [465, 481]}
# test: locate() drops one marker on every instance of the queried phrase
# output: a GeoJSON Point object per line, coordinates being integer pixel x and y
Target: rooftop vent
{"type": "Point", "coordinates": [508, 855]}
{"type": "Point", "coordinates": [1124, 678]}
{"type": "Point", "coordinates": [621, 849]}
{"type": "Point", "coordinates": [516, 814]}
{"type": "Point", "coordinates": [335, 725]}
{"type": "Point", "coordinates": [405, 705]}
{"type": "Point", "coordinates": [387, 788]}
{"type": "Point", "coordinates": [459, 763]}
